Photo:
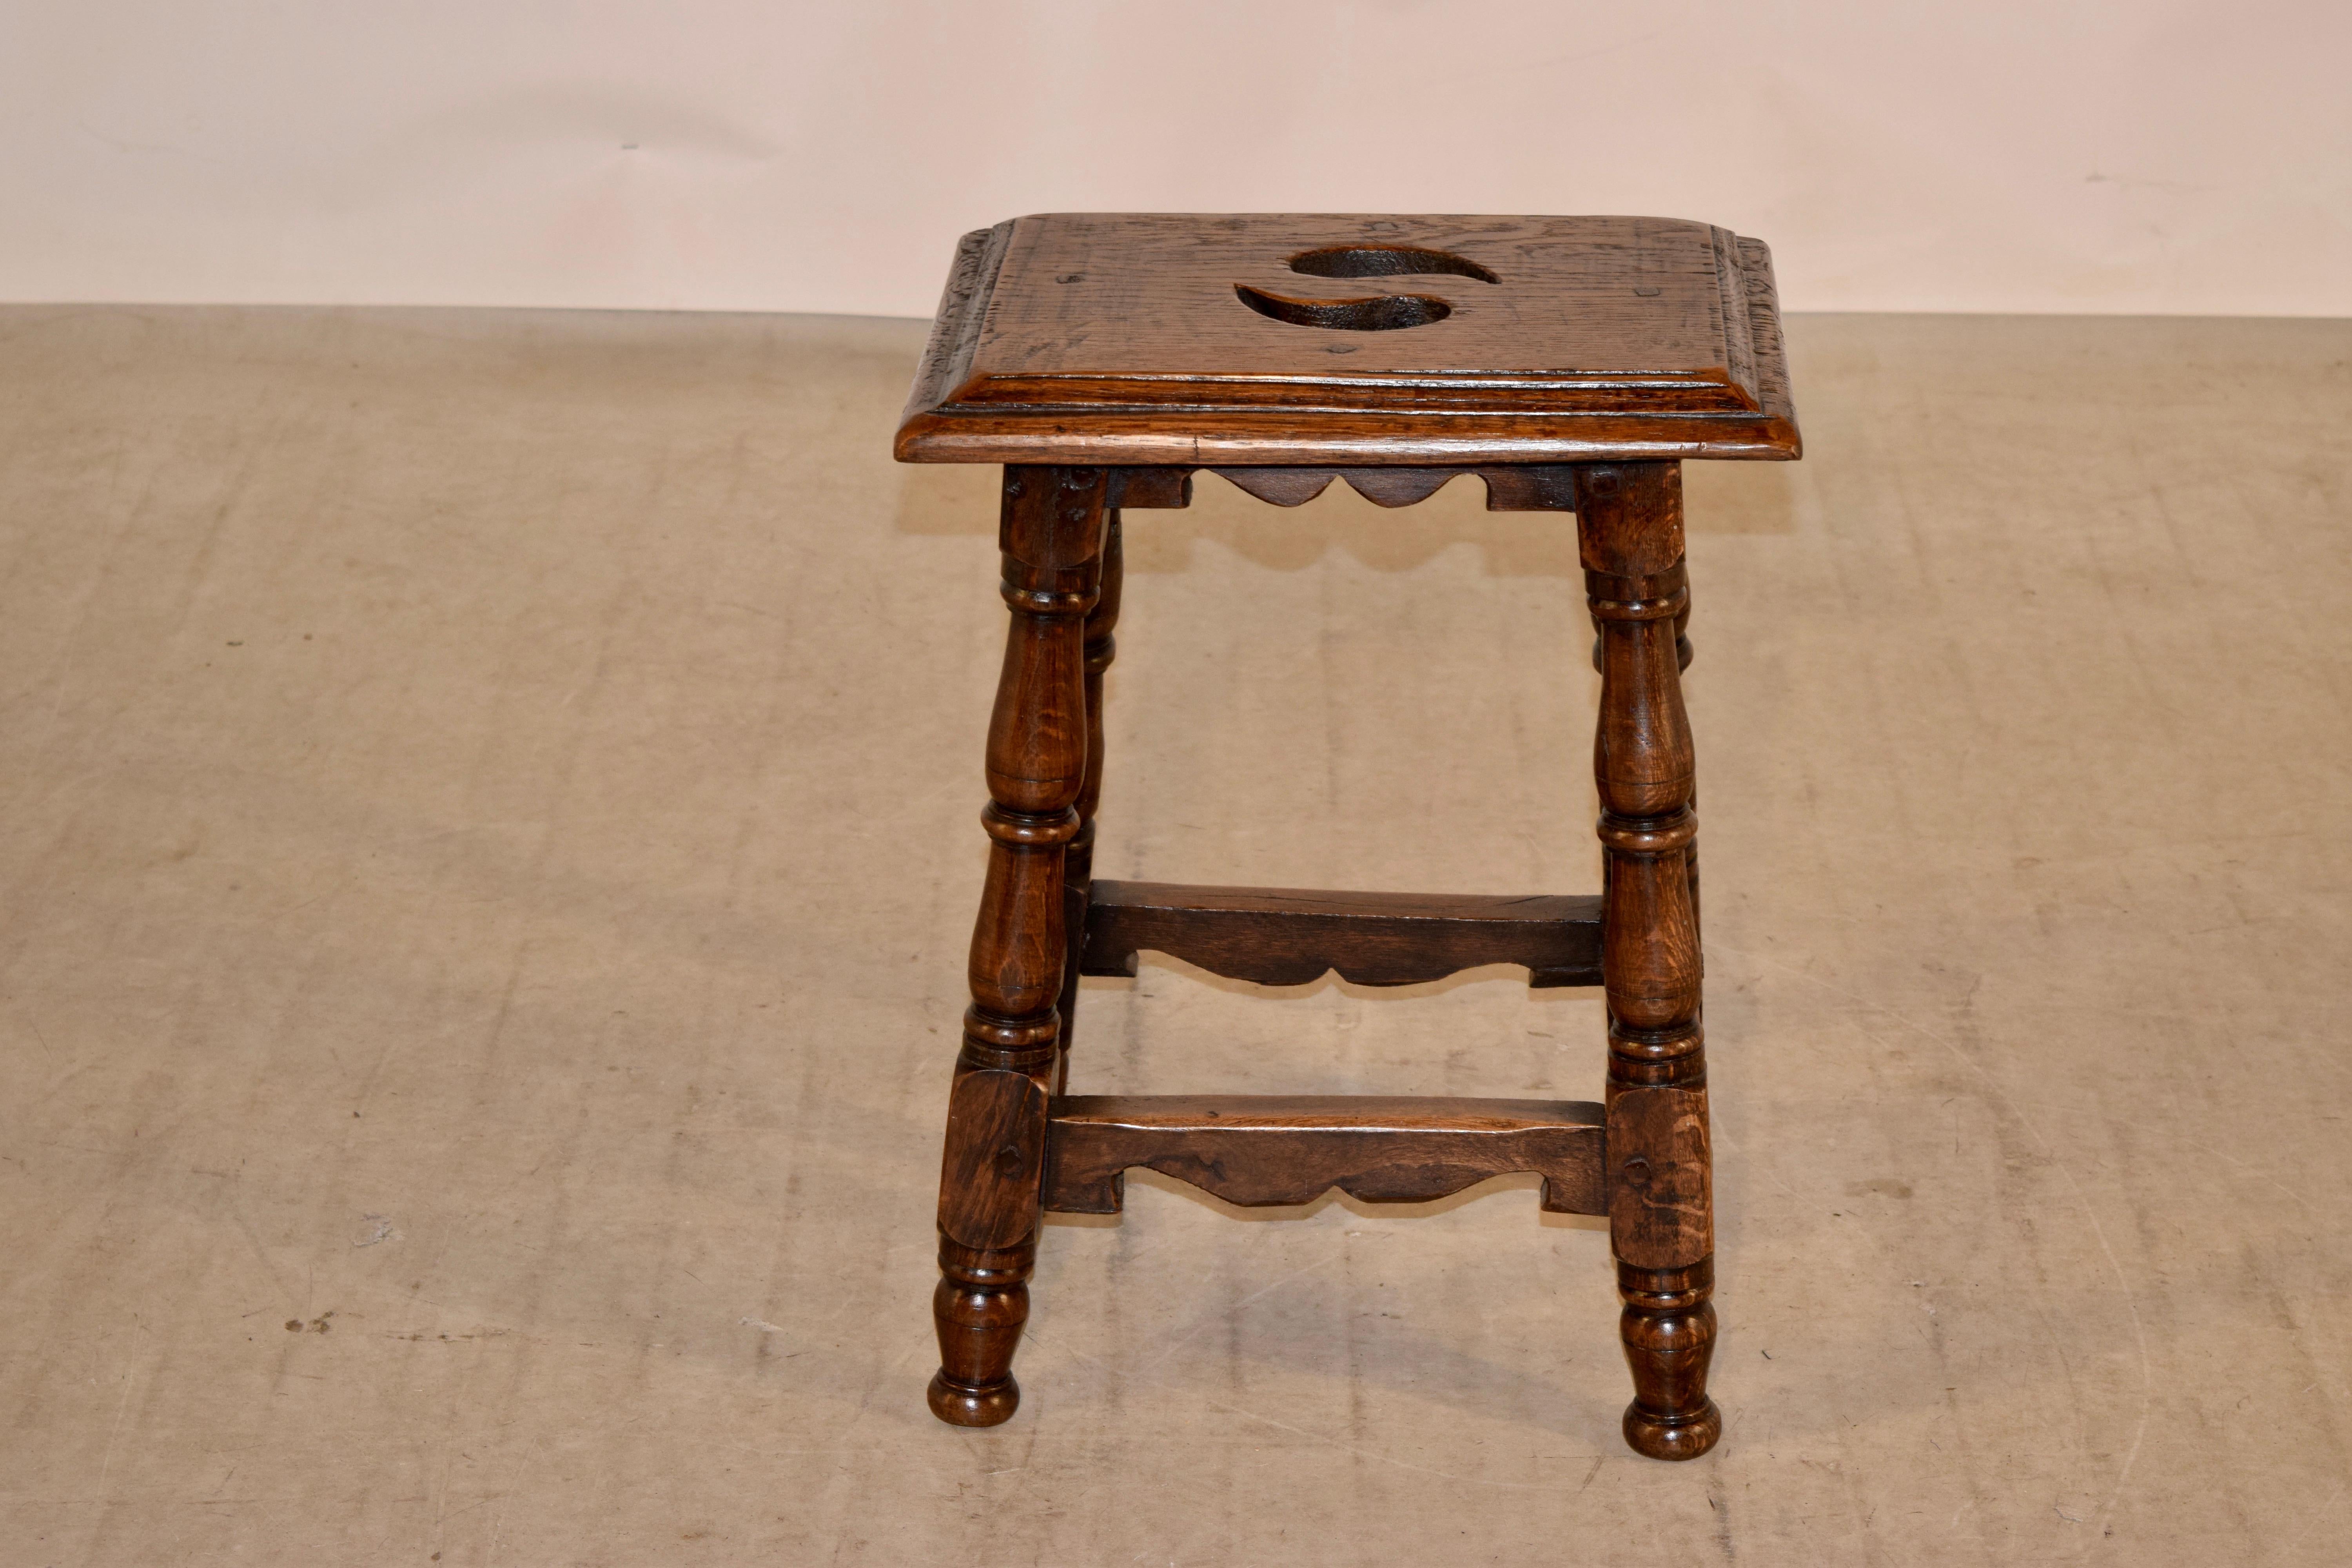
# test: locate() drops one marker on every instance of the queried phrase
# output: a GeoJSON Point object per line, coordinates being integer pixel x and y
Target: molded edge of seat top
{"type": "Point", "coordinates": [1141, 338]}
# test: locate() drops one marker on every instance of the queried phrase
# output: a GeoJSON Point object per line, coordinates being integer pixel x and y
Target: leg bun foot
{"type": "Point", "coordinates": [992, 1405]}
{"type": "Point", "coordinates": [1670, 1437]}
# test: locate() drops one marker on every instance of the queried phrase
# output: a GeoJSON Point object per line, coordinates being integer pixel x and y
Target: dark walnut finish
{"type": "Point", "coordinates": [1569, 363]}
{"type": "Point", "coordinates": [1260, 1151]}
{"type": "Point", "coordinates": [1264, 338]}
{"type": "Point", "coordinates": [1661, 1207]}
{"type": "Point", "coordinates": [1078, 859]}
{"type": "Point", "coordinates": [1052, 537]}
{"type": "Point", "coordinates": [1290, 936]}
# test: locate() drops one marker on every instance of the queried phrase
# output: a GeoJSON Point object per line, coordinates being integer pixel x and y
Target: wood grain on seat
{"type": "Point", "coordinates": [1138, 339]}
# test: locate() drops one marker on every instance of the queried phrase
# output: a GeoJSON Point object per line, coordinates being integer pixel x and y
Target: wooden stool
{"type": "Point", "coordinates": [1571, 363]}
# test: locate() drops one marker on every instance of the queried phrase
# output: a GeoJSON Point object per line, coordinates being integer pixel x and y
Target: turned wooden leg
{"type": "Point", "coordinates": [1661, 1214]}
{"type": "Point", "coordinates": [1078, 859]}
{"type": "Point", "coordinates": [990, 1181]}
{"type": "Point", "coordinates": [1683, 663]}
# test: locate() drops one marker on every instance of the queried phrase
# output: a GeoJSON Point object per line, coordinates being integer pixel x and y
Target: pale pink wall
{"type": "Point", "coordinates": [776, 154]}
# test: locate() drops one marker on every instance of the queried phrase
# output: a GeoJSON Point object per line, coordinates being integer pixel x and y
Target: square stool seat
{"type": "Point", "coordinates": [1572, 364]}
{"type": "Point", "coordinates": [1264, 339]}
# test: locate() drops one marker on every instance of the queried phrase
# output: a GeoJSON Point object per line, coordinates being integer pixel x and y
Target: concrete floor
{"type": "Point", "coordinates": [487, 843]}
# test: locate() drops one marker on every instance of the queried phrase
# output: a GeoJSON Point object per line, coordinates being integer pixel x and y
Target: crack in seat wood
{"type": "Point", "coordinates": [1572, 364]}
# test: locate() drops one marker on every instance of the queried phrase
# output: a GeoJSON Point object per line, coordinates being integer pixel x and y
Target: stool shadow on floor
{"type": "Point", "coordinates": [1111, 1060]}
{"type": "Point", "coordinates": [1523, 1181]}
{"type": "Point", "coordinates": [1354, 1333]}
{"type": "Point", "coordinates": [1106, 1049]}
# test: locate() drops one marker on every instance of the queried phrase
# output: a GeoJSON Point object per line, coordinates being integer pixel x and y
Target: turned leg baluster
{"type": "Point", "coordinates": [989, 1185]}
{"type": "Point", "coordinates": [1078, 859]}
{"type": "Point", "coordinates": [1629, 519]}
{"type": "Point", "coordinates": [1683, 663]}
